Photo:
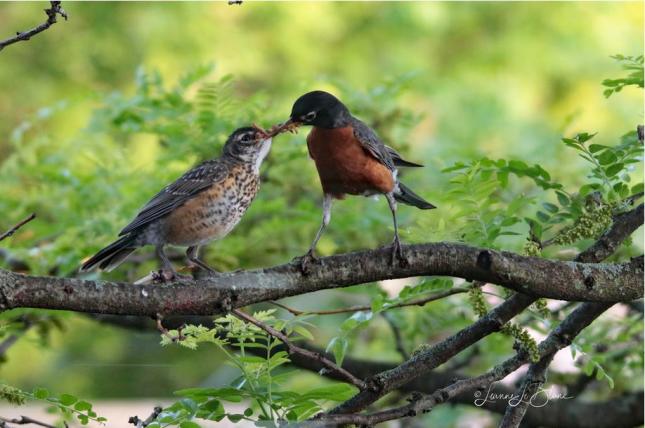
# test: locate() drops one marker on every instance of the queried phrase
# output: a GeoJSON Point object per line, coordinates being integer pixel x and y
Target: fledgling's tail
{"type": "Point", "coordinates": [405, 195]}
{"type": "Point", "coordinates": [112, 255]}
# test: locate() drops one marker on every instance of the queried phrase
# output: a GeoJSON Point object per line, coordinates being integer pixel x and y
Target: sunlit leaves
{"type": "Point", "coordinates": [631, 64]}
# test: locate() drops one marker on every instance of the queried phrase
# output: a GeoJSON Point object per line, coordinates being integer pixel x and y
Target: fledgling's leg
{"type": "Point", "coordinates": [192, 253]}
{"type": "Point", "coordinates": [397, 250]}
{"type": "Point", "coordinates": [309, 257]}
{"type": "Point", "coordinates": [167, 271]}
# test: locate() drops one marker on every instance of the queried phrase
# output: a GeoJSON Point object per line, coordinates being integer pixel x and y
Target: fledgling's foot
{"type": "Point", "coordinates": [306, 262]}
{"type": "Point", "coordinates": [165, 275]}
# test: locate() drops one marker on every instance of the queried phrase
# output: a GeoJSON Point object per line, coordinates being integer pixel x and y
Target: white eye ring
{"type": "Point", "coordinates": [246, 137]}
{"type": "Point", "coordinates": [310, 116]}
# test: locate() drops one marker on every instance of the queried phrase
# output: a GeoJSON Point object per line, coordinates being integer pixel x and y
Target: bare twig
{"type": "Point", "coordinates": [142, 423]}
{"type": "Point", "coordinates": [15, 228]}
{"type": "Point", "coordinates": [52, 13]}
{"type": "Point", "coordinates": [418, 302]}
{"type": "Point", "coordinates": [293, 349]}
{"type": "Point", "coordinates": [26, 420]}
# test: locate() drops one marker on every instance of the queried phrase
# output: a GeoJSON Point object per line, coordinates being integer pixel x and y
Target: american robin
{"type": "Point", "coordinates": [204, 204]}
{"type": "Point", "coordinates": [350, 159]}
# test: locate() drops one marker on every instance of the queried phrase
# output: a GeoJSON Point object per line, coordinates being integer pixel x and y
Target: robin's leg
{"type": "Point", "coordinates": [193, 257]}
{"type": "Point", "coordinates": [167, 272]}
{"type": "Point", "coordinates": [397, 251]}
{"type": "Point", "coordinates": [309, 257]}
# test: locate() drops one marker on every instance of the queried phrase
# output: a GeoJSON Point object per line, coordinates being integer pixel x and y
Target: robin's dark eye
{"type": "Point", "coordinates": [247, 137]}
{"type": "Point", "coordinates": [310, 116]}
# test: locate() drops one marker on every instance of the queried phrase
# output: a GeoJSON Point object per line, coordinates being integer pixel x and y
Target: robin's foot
{"type": "Point", "coordinates": [397, 256]}
{"type": "Point", "coordinates": [306, 261]}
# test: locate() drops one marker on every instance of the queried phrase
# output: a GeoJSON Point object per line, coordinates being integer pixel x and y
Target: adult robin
{"type": "Point", "coordinates": [350, 159]}
{"type": "Point", "coordinates": [204, 204]}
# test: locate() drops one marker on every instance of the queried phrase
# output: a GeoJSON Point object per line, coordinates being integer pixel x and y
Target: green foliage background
{"type": "Point", "coordinates": [101, 111]}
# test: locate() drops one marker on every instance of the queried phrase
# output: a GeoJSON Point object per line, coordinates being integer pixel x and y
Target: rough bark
{"type": "Point", "coordinates": [538, 277]}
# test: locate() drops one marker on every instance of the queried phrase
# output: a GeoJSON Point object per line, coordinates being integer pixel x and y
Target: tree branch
{"type": "Point", "coordinates": [529, 275]}
{"type": "Point", "coordinates": [423, 362]}
{"type": "Point", "coordinates": [392, 379]}
{"type": "Point", "coordinates": [557, 339]}
{"type": "Point", "coordinates": [624, 224]}
{"type": "Point", "coordinates": [54, 10]}
{"type": "Point", "coordinates": [15, 228]}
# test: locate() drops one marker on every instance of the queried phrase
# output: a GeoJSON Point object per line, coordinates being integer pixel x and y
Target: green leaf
{"type": "Point", "coordinates": [338, 346]}
{"type": "Point", "coordinates": [189, 424]}
{"type": "Point", "coordinates": [336, 392]}
{"type": "Point", "coordinates": [563, 199]}
{"type": "Point", "coordinates": [606, 157]}
{"type": "Point", "coordinates": [550, 207]}
{"type": "Point", "coordinates": [614, 169]}
{"type": "Point", "coordinates": [67, 399]}
{"type": "Point", "coordinates": [41, 393]}
{"type": "Point", "coordinates": [82, 406]}
{"type": "Point", "coordinates": [235, 418]}
{"type": "Point", "coordinates": [302, 331]}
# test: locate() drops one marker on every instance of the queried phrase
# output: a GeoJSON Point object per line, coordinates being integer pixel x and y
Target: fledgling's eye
{"type": "Point", "coordinates": [310, 116]}
{"type": "Point", "coordinates": [247, 137]}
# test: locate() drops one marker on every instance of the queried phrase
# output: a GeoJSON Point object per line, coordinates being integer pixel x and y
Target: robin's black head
{"type": "Point", "coordinates": [320, 108]}
{"type": "Point", "coordinates": [248, 144]}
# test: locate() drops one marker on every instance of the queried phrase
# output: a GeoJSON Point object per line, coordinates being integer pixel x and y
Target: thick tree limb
{"type": "Point", "coordinates": [529, 275]}
{"type": "Point", "coordinates": [52, 13]}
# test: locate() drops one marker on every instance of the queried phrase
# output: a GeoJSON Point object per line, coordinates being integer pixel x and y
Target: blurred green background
{"type": "Point", "coordinates": [95, 120]}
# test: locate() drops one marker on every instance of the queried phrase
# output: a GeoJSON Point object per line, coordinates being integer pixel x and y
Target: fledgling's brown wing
{"type": "Point", "coordinates": [177, 193]}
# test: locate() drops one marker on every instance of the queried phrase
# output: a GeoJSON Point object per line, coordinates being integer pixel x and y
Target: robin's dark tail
{"type": "Point", "coordinates": [407, 196]}
{"type": "Point", "coordinates": [112, 255]}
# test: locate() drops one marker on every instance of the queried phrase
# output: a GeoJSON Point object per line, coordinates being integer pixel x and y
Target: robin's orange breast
{"type": "Point", "coordinates": [344, 166]}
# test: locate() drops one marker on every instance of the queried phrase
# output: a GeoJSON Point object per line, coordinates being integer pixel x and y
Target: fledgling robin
{"type": "Point", "coordinates": [350, 159]}
{"type": "Point", "coordinates": [204, 204]}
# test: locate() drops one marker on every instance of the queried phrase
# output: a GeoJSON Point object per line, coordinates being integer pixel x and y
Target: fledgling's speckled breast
{"type": "Point", "coordinates": [214, 212]}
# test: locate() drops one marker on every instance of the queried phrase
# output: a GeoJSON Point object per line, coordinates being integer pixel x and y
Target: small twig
{"type": "Point", "coordinates": [166, 333]}
{"type": "Point", "coordinates": [15, 228]}
{"type": "Point", "coordinates": [52, 12]}
{"type": "Point", "coordinates": [418, 302]}
{"type": "Point", "coordinates": [230, 2]}
{"type": "Point", "coordinates": [140, 423]}
{"type": "Point", "coordinates": [293, 349]}
{"type": "Point", "coordinates": [25, 420]}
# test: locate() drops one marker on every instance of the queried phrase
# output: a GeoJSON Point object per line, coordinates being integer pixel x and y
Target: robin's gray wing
{"type": "Point", "coordinates": [176, 194]}
{"type": "Point", "coordinates": [398, 160]}
{"type": "Point", "coordinates": [370, 142]}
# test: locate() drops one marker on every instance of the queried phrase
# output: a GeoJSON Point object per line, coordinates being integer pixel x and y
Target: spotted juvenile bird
{"type": "Point", "coordinates": [204, 204]}
{"type": "Point", "coordinates": [350, 159]}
